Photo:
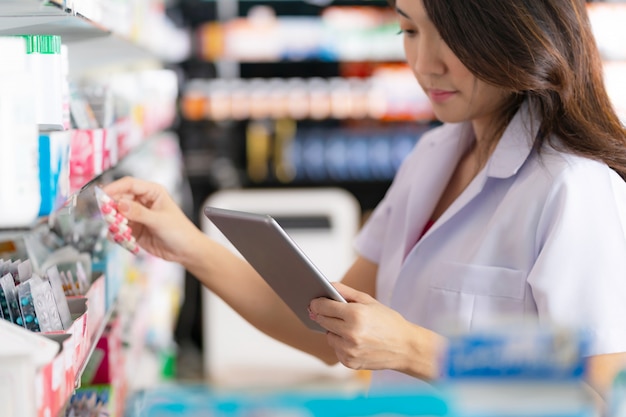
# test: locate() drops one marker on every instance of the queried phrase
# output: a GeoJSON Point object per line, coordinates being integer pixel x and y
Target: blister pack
{"type": "Point", "coordinates": [45, 304]}
{"type": "Point", "coordinates": [10, 296]}
{"type": "Point", "coordinates": [28, 317]}
{"type": "Point", "coordinates": [54, 280]}
{"type": "Point", "coordinates": [118, 228]}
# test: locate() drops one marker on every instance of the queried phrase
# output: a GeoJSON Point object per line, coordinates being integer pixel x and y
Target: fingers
{"type": "Point", "coordinates": [144, 191]}
{"type": "Point", "coordinates": [329, 308]}
{"type": "Point", "coordinates": [136, 212]}
{"type": "Point", "coordinates": [336, 316]}
{"type": "Point", "coordinates": [330, 314]}
{"type": "Point", "coordinates": [137, 201]}
{"type": "Point", "coordinates": [351, 295]}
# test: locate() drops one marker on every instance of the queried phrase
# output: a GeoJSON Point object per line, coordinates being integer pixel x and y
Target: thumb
{"type": "Point", "coordinates": [351, 295]}
{"type": "Point", "coordinates": [135, 212]}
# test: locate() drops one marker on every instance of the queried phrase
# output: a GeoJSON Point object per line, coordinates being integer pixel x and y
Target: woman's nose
{"type": "Point", "coordinates": [428, 60]}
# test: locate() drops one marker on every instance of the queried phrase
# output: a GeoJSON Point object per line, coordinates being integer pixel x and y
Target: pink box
{"type": "Point", "coordinates": [75, 340]}
{"type": "Point", "coordinates": [56, 380]}
{"type": "Point", "coordinates": [86, 152]}
{"type": "Point", "coordinates": [79, 331]}
{"type": "Point", "coordinates": [96, 306]}
{"type": "Point", "coordinates": [109, 151]}
{"type": "Point", "coordinates": [129, 136]}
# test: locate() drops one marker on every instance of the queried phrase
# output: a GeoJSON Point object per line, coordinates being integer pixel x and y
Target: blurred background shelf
{"type": "Point", "coordinates": [98, 37]}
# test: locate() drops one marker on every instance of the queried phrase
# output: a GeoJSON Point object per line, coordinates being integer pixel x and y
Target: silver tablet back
{"type": "Point", "coordinates": [276, 257]}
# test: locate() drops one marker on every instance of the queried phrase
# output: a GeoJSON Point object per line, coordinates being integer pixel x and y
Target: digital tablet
{"type": "Point", "coordinates": [277, 258]}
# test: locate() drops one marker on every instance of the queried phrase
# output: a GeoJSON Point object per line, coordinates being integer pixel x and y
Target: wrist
{"type": "Point", "coordinates": [424, 354]}
{"type": "Point", "coordinates": [194, 255]}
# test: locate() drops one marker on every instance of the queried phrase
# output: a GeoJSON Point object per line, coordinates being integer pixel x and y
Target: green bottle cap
{"type": "Point", "coordinates": [43, 44]}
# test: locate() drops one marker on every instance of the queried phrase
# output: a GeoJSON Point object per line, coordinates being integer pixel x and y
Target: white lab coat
{"type": "Point", "coordinates": [534, 236]}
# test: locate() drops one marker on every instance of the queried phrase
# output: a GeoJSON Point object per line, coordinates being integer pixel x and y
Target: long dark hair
{"type": "Point", "coordinates": [545, 51]}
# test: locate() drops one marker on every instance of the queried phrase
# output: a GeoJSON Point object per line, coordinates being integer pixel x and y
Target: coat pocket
{"type": "Point", "coordinates": [465, 296]}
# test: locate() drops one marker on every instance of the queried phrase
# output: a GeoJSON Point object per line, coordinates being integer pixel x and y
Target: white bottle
{"type": "Point", "coordinates": [65, 88]}
{"type": "Point", "coordinates": [46, 63]}
{"type": "Point", "coordinates": [19, 138]}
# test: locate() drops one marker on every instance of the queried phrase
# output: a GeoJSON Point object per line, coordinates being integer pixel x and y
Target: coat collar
{"type": "Point", "coordinates": [515, 144]}
{"type": "Point", "coordinates": [512, 150]}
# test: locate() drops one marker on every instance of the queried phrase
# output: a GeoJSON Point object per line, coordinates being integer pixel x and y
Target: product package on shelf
{"type": "Point", "coordinates": [105, 373]}
{"type": "Point", "coordinates": [86, 154]}
{"type": "Point", "coordinates": [55, 283]}
{"type": "Point", "coordinates": [54, 172]}
{"type": "Point", "coordinates": [358, 33]}
{"type": "Point", "coordinates": [24, 356]}
{"type": "Point", "coordinates": [95, 400]}
{"type": "Point", "coordinates": [493, 372]}
{"type": "Point", "coordinates": [54, 379]}
{"type": "Point", "coordinates": [46, 61]}
{"type": "Point", "coordinates": [112, 117]}
{"type": "Point", "coordinates": [19, 173]}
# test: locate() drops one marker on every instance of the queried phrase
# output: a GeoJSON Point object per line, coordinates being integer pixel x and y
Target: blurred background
{"type": "Point", "coordinates": [302, 109]}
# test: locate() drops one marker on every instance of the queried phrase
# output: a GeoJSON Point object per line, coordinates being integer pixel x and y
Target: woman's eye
{"type": "Point", "coordinates": [407, 32]}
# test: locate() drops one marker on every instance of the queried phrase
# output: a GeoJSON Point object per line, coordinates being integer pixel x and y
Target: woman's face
{"type": "Point", "coordinates": [455, 93]}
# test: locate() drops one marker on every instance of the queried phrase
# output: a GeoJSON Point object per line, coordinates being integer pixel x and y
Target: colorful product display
{"type": "Point", "coordinates": [31, 301]}
{"type": "Point", "coordinates": [311, 155]}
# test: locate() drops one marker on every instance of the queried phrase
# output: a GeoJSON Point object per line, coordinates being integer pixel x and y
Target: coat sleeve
{"type": "Point", "coordinates": [579, 278]}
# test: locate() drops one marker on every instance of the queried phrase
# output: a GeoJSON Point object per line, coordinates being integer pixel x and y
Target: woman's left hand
{"type": "Point", "coordinates": [366, 334]}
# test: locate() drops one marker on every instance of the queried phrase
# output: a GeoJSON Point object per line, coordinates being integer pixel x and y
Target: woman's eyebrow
{"type": "Point", "coordinates": [402, 13]}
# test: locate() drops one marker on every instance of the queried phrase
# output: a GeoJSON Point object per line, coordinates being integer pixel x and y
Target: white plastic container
{"type": "Point", "coordinates": [19, 142]}
{"type": "Point", "coordinates": [65, 88]}
{"type": "Point", "coordinates": [46, 63]}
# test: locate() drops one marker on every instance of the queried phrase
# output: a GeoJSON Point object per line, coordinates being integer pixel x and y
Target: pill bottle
{"type": "Point", "coordinates": [46, 63]}
{"type": "Point", "coordinates": [19, 141]}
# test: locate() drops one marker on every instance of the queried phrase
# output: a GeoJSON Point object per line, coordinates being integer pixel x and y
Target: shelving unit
{"type": "Point", "coordinates": [99, 45]}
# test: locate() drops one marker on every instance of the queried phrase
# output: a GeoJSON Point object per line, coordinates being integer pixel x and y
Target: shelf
{"type": "Point", "coordinates": [92, 44]}
{"type": "Point", "coordinates": [34, 17]}
{"type": "Point", "coordinates": [42, 391]}
{"type": "Point", "coordinates": [264, 36]}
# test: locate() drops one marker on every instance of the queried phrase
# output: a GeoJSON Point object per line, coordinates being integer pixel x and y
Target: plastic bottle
{"type": "Point", "coordinates": [46, 63]}
{"type": "Point", "coordinates": [19, 153]}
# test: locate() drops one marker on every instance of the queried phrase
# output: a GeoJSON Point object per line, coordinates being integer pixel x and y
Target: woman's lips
{"type": "Point", "coordinates": [439, 96]}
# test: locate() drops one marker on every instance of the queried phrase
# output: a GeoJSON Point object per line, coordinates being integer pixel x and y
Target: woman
{"type": "Point", "coordinates": [515, 206]}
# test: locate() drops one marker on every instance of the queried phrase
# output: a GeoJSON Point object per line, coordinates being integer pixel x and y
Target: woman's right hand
{"type": "Point", "coordinates": [159, 225]}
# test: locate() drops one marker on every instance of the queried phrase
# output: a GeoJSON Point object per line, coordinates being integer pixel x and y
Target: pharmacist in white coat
{"type": "Point", "coordinates": [515, 207]}
{"type": "Point", "coordinates": [531, 236]}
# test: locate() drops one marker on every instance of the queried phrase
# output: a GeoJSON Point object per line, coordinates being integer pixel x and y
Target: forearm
{"type": "Point", "coordinates": [422, 354]}
{"type": "Point", "coordinates": [602, 371]}
{"type": "Point", "coordinates": [233, 280]}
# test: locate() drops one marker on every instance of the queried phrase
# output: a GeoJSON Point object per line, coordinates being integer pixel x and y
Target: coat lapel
{"type": "Point", "coordinates": [510, 154]}
{"type": "Point", "coordinates": [439, 159]}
